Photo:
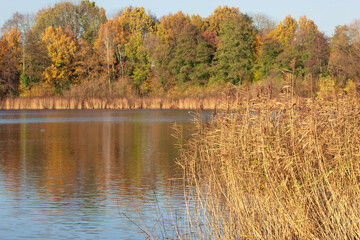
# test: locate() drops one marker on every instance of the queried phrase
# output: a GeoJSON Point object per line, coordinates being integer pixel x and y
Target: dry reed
{"type": "Point", "coordinates": [276, 169]}
{"type": "Point", "coordinates": [109, 103]}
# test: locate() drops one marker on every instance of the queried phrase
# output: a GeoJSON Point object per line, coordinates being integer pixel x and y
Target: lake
{"type": "Point", "coordinates": [88, 174]}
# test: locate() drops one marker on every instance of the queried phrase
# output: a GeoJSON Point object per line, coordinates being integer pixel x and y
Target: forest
{"type": "Point", "coordinates": [75, 50]}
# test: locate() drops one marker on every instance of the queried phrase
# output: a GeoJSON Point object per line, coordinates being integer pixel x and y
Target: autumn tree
{"type": "Point", "coordinates": [61, 49]}
{"type": "Point", "coordinates": [137, 26]}
{"type": "Point", "coordinates": [313, 47]}
{"type": "Point", "coordinates": [121, 45]}
{"type": "Point", "coordinates": [215, 20]}
{"type": "Point", "coordinates": [36, 59]}
{"type": "Point", "coordinates": [139, 61]}
{"type": "Point", "coordinates": [294, 46]}
{"type": "Point", "coordinates": [284, 34]}
{"type": "Point", "coordinates": [105, 47]}
{"type": "Point", "coordinates": [234, 57]}
{"type": "Point", "coordinates": [169, 30]}
{"type": "Point", "coordinates": [345, 51]}
{"type": "Point", "coordinates": [183, 53]}
{"type": "Point", "coordinates": [212, 24]}
{"type": "Point", "coordinates": [86, 63]}
{"type": "Point", "coordinates": [263, 23]}
{"type": "Point", "coordinates": [171, 25]}
{"type": "Point", "coordinates": [285, 31]}
{"type": "Point", "coordinates": [10, 62]}
{"type": "Point", "coordinates": [198, 22]}
{"type": "Point", "coordinates": [90, 19]}
{"type": "Point", "coordinates": [84, 19]}
{"type": "Point", "coordinates": [23, 23]}
{"type": "Point", "coordinates": [176, 49]}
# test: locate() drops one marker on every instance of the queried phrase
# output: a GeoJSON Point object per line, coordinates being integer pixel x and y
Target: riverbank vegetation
{"type": "Point", "coordinates": [277, 169]}
{"type": "Point", "coordinates": [74, 49]}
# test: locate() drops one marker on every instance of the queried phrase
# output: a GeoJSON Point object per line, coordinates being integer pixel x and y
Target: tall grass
{"type": "Point", "coordinates": [284, 168]}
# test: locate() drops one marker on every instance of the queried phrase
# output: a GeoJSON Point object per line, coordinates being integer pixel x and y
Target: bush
{"type": "Point", "coordinates": [39, 89]}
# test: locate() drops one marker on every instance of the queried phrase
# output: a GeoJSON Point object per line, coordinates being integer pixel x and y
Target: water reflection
{"type": "Point", "coordinates": [68, 174]}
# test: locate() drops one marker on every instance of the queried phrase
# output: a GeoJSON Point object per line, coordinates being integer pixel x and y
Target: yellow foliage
{"type": "Point", "coordinates": [11, 46]}
{"type": "Point", "coordinates": [61, 49]}
{"type": "Point", "coordinates": [285, 31]}
{"type": "Point", "coordinates": [258, 44]}
{"type": "Point", "coordinates": [351, 90]}
{"type": "Point", "coordinates": [197, 21]}
{"type": "Point", "coordinates": [327, 89]}
{"type": "Point", "coordinates": [170, 24]}
{"type": "Point", "coordinates": [219, 15]}
{"type": "Point", "coordinates": [350, 87]}
{"type": "Point", "coordinates": [14, 40]}
{"type": "Point", "coordinates": [307, 25]}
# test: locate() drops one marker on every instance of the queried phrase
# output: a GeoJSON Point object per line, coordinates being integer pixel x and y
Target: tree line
{"type": "Point", "coordinates": [72, 44]}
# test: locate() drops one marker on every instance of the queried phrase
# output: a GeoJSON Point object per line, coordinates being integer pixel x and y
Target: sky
{"type": "Point", "coordinates": [327, 14]}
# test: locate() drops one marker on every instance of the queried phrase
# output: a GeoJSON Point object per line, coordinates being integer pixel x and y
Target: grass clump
{"type": "Point", "coordinates": [284, 168]}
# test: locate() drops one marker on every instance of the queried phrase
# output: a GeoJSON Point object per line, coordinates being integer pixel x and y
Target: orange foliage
{"type": "Point", "coordinates": [10, 61]}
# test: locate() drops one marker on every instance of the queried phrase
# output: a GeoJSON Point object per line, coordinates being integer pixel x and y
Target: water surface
{"type": "Point", "coordinates": [74, 174]}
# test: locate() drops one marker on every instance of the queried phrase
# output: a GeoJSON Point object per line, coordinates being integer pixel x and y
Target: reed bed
{"type": "Point", "coordinates": [284, 168]}
{"type": "Point", "coordinates": [39, 103]}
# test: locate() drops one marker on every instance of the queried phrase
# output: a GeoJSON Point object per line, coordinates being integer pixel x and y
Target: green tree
{"type": "Point", "coordinates": [139, 61]}
{"type": "Point", "coordinates": [90, 19]}
{"type": "Point", "coordinates": [182, 53]}
{"type": "Point", "coordinates": [137, 25]}
{"type": "Point", "coordinates": [202, 63]}
{"type": "Point", "coordinates": [267, 61]}
{"type": "Point", "coordinates": [213, 23]}
{"type": "Point", "coordinates": [235, 55]}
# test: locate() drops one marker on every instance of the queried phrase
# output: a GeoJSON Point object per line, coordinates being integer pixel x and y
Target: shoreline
{"type": "Point", "coordinates": [73, 103]}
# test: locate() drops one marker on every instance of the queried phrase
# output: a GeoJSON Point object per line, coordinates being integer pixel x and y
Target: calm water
{"type": "Point", "coordinates": [74, 174]}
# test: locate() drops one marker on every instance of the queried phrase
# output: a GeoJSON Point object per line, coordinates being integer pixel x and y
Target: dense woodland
{"type": "Point", "coordinates": [75, 49]}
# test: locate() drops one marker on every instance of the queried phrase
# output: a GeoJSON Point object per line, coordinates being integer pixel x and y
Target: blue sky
{"type": "Point", "coordinates": [327, 14]}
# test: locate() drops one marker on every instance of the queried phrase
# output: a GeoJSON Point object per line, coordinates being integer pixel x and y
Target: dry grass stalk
{"type": "Point", "coordinates": [276, 169]}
